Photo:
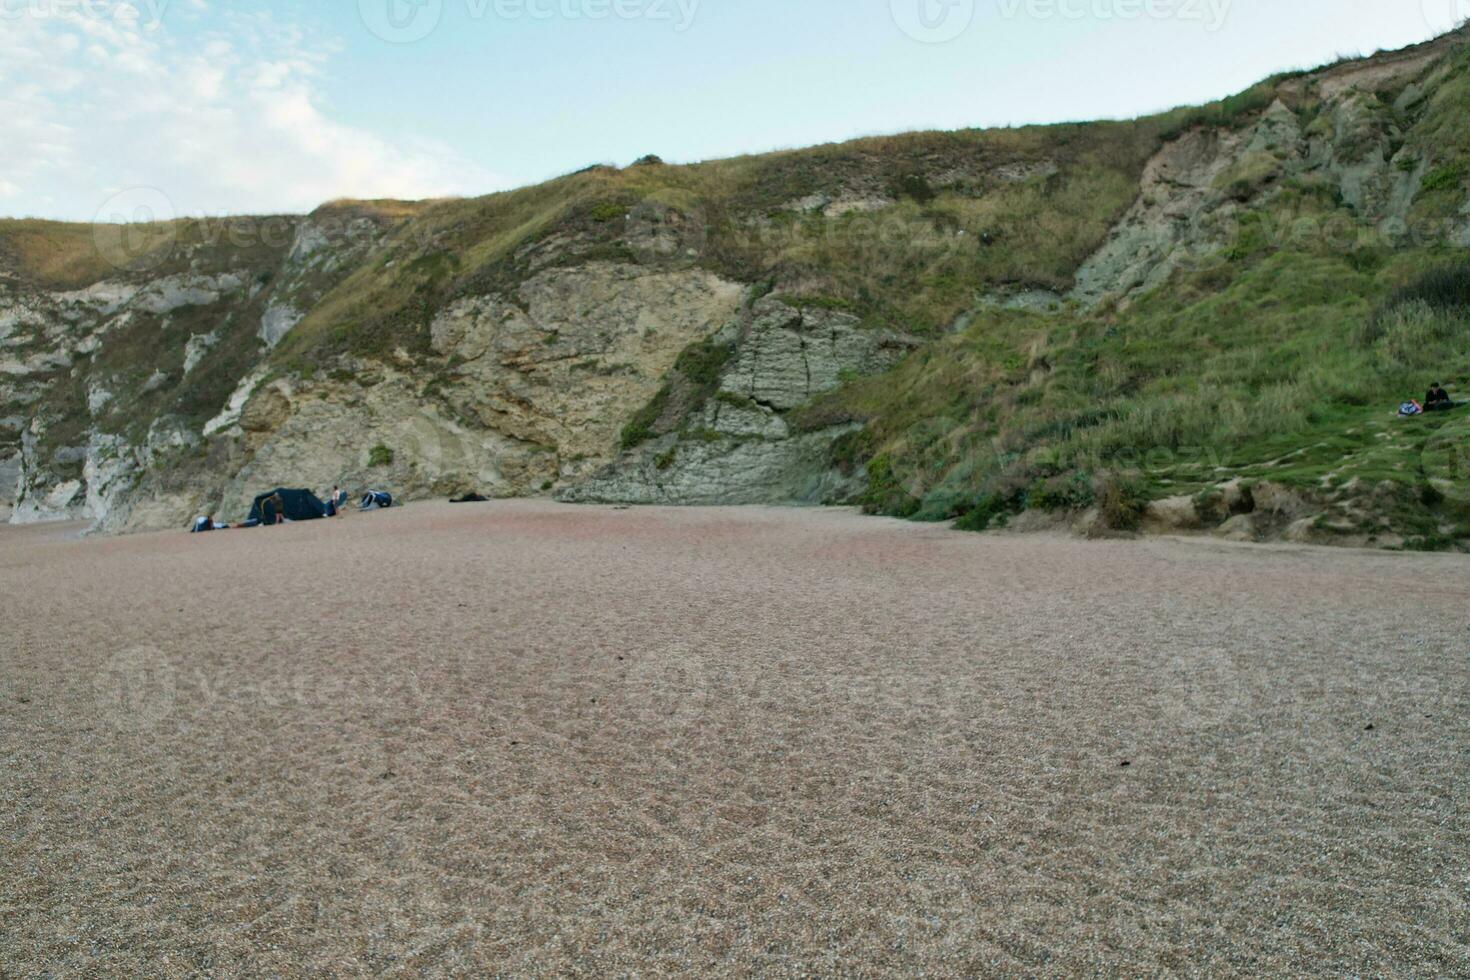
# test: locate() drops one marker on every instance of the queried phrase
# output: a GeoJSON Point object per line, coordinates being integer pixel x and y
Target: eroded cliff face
{"type": "Point", "coordinates": [521, 394]}
{"type": "Point", "coordinates": [733, 442]}
{"type": "Point", "coordinates": [1200, 188]}
{"type": "Point", "coordinates": [655, 339]}
{"type": "Point", "coordinates": [108, 392]}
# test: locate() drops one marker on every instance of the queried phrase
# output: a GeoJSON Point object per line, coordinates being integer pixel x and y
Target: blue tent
{"type": "Point", "coordinates": [296, 505]}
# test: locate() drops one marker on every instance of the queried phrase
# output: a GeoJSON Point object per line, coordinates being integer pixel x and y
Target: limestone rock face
{"type": "Point", "coordinates": [111, 386]}
{"type": "Point", "coordinates": [268, 410]}
{"type": "Point", "coordinates": [197, 348]}
{"type": "Point", "coordinates": [1283, 502]}
{"type": "Point", "coordinates": [560, 370]}
{"type": "Point", "coordinates": [277, 321]}
{"type": "Point", "coordinates": [523, 393]}
{"type": "Point", "coordinates": [1197, 186]}
{"type": "Point", "coordinates": [723, 472]}
{"type": "Point", "coordinates": [1304, 531]}
{"type": "Point", "coordinates": [9, 480]}
{"type": "Point", "coordinates": [747, 420]}
{"type": "Point", "coordinates": [738, 447]}
{"type": "Point", "coordinates": [175, 292]}
{"type": "Point", "coordinates": [1241, 527]}
{"type": "Point", "coordinates": [1169, 223]}
{"type": "Point", "coordinates": [789, 355]}
{"type": "Point", "coordinates": [324, 435]}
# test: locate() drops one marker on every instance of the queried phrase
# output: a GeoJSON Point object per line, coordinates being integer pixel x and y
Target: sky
{"type": "Point", "coordinates": [206, 107]}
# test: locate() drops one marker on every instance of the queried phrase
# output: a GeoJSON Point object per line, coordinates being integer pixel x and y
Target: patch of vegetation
{"type": "Point", "coordinates": [1445, 290]}
{"type": "Point", "coordinates": [886, 493]}
{"type": "Point", "coordinates": [608, 211]}
{"type": "Point", "coordinates": [1227, 113]}
{"type": "Point", "coordinates": [380, 456]}
{"type": "Point", "coordinates": [1446, 178]}
{"type": "Point", "coordinates": [850, 451]}
{"type": "Point", "coordinates": [915, 187]}
{"type": "Point", "coordinates": [833, 303]}
{"type": "Point", "coordinates": [1249, 174]}
{"type": "Point", "coordinates": [1274, 375]}
{"type": "Point", "coordinates": [1070, 491]}
{"type": "Point", "coordinates": [989, 511]}
{"type": "Point", "coordinates": [690, 384]}
{"type": "Point", "coordinates": [703, 362]}
{"type": "Point", "coordinates": [640, 427]}
{"type": "Point", "coordinates": [1121, 498]}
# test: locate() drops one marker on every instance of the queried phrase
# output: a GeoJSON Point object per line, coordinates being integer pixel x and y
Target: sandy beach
{"type": "Point", "coordinates": [530, 739]}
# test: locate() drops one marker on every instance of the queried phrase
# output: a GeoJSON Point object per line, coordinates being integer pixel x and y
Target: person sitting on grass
{"type": "Point", "coordinates": [1438, 400]}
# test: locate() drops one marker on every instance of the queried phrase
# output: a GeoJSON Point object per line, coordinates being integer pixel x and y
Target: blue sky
{"type": "Point", "coordinates": [268, 106]}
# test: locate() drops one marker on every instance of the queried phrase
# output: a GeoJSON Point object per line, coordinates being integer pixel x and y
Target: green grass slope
{"type": "Point", "coordinates": [1282, 358]}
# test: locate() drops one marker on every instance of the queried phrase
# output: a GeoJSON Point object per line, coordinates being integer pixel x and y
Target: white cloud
{"type": "Point", "coordinates": [228, 119]}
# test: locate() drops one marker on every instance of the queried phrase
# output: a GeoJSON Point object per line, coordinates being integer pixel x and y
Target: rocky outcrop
{"type": "Point", "coordinates": [523, 390]}
{"type": "Point", "coordinates": [522, 393]}
{"type": "Point", "coordinates": [1268, 511]}
{"type": "Point", "coordinates": [277, 321]}
{"type": "Point", "coordinates": [1196, 189]}
{"type": "Point", "coordinates": [724, 471]}
{"type": "Point", "coordinates": [736, 445]}
{"type": "Point", "coordinates": [134, 373]}
{"type": "Point", "coordinates": [788, 354]}
{"type": "Point", "coordinates": [1176, 217]}
{"type": "Point", "coordinates": [320, 435]}
{"type": "Point", "coordinates": [559, 367]}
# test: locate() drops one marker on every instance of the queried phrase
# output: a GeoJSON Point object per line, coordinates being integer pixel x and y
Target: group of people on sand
{"type": "Point", "coordinates": [273, 510]}
{"type": "Point", "coordinates": [1437, 400]}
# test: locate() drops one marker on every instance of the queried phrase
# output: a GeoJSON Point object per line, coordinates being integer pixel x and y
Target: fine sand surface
{"type": "Point", "coordinates": [530, 739]}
